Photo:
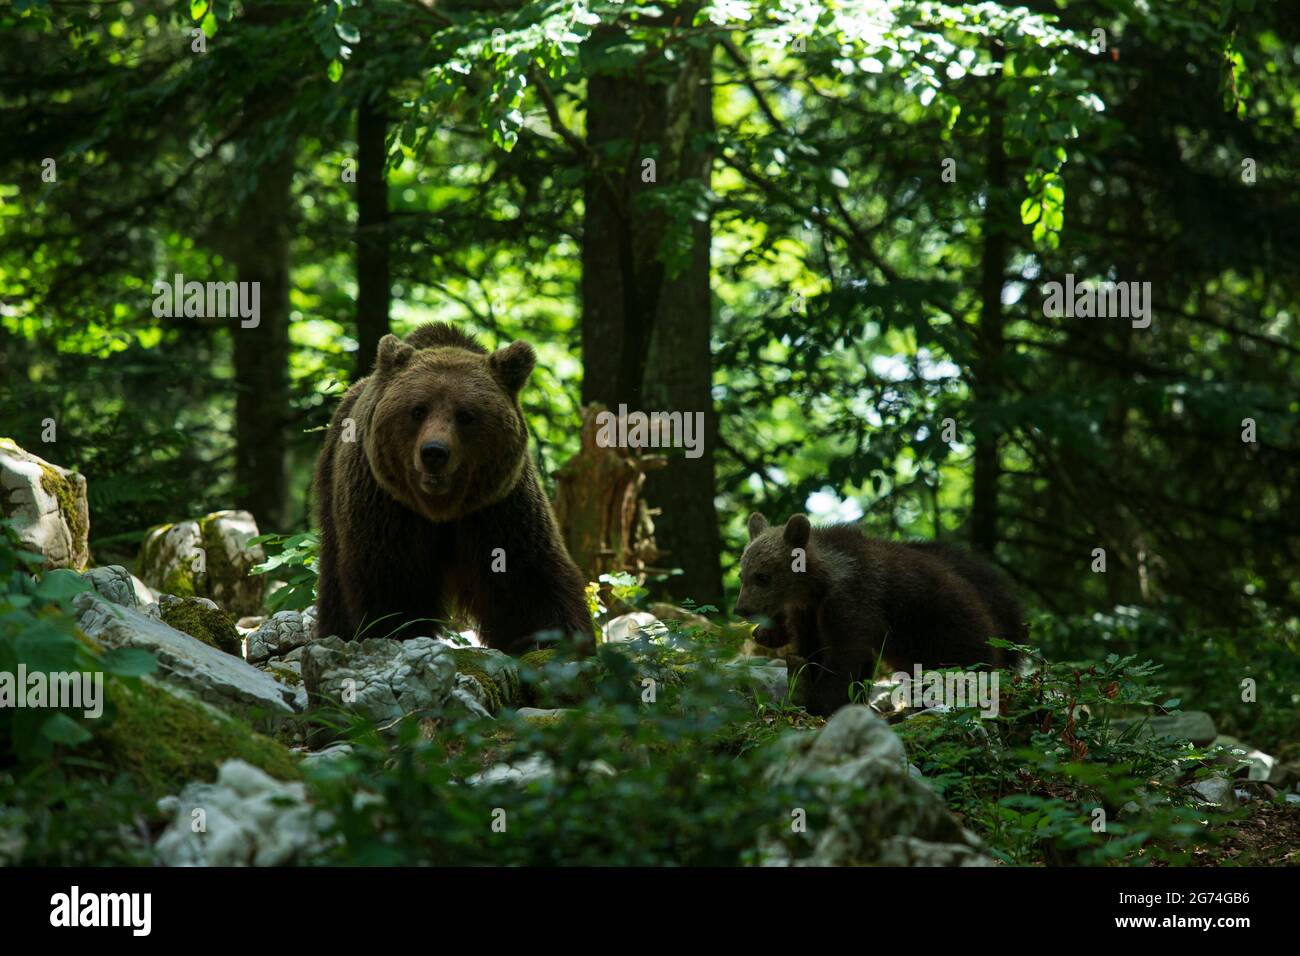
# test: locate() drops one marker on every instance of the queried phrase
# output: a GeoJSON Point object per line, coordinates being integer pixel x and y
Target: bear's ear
{"type": "Point", "coordinates": [797, 530]}
{"type": "Point", "coordinates": [393, 354]}
{"type": "Point", "coordinates": [513, 364]}
{"type": "Point", "coordinates": [757, 525]}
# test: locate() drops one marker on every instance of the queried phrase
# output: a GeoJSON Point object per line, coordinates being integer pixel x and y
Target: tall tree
{"type": "Point", "coordinates": [261, 353]}
{"type": "Point", "coordinates": [374, 284]}
{"type": "Point", "coordinates": [1000, 221]}
{"type": "Point", "coordinates": [647, 303]}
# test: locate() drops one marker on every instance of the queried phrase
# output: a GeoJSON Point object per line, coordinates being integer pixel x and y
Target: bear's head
{"type": "Point", "coordinates": [773, 575]}
{"type": "Point", "coordinates": [446, 435]}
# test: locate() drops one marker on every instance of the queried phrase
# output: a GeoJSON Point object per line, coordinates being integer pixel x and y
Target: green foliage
{"type": "Point", "coordinates": [1036, 780]}
{"type": "Point", "coordinates": [851, 317]}
{"type": "Point", "coordinates": [1213, 667]}
{"type": "Point", "coordinates": [37, 635]}
{"type": "Point", "coordinates": [51, 817]}
{"type": "Point", "coordinates": [677, 798]}
{"type": "Point", "coordinates": [294, 560]}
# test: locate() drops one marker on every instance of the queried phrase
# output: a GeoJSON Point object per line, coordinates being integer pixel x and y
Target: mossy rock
{"type": "Point", "coordinates": [556, 682]}
{"type": "Point", "coordinates": [64, 491]}
{"type": "Point", "coordinates": [211, 625]}
{"type": "Point", "coordinates": [496, 673]}
{"type": "Point", "coordinates": [537, 659]}
{"type": "Point", "coordinates": [164, 739]}
{"type": "Point", "coordinates": [48, 505]}
{"type": "Point", "coordinates": [283, 674]}
{"type": "Point", "coordinates": [168, 560]}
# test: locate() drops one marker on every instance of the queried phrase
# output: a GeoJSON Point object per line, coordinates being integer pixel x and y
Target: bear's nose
{"type": "Point", "coordinates": [434, 454]}
{"type": "Point", "coordinates": [741, 611]}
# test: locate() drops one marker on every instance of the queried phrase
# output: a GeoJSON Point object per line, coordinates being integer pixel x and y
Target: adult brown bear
{"type": "Point", "coordinates": [428, 501]}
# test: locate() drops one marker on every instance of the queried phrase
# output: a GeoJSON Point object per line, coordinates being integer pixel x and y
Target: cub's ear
{"type": "Point", "coordinates": [513, 364]}
{"type": "Point", "coordinates": [797, 530]}
{"type": "Point", "coordinates": [757, 525]}
{"type": "Point", "coordinates": [393, 354]}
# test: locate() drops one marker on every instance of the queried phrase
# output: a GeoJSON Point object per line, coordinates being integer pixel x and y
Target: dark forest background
{"type": "Point", "coordinates": [854, 211]}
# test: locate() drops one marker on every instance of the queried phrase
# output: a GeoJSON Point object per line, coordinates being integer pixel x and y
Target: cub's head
{"type": "Point", "coordinates": [773, 575]}
{"type": "Point", "coordinates": [446, 434]}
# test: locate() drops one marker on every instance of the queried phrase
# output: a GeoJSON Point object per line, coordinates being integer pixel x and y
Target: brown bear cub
{"type": "Point", "coordinates": [843, 600]}
{"type": "Point", "coordinates": [428, 501]}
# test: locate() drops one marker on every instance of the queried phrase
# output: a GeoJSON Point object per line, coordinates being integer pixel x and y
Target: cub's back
{"type": "Point", "coordinates": [991, 582]}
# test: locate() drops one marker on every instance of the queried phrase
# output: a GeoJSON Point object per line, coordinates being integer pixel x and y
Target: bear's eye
{"type": "Point", "coordinates": [464, 416]}
{"type": "Point", "coordinates": [762, 580]}
{"type": "Point", "coordinates": [418, 412]}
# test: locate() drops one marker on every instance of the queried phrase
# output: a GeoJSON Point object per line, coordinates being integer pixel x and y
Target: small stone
{"type": "Point", "coordinates": [1194, 725]}
{"type": "Point", "coordinates": [1215, 791]}
{"type": "Point", "coordinates": [277, 635]}
{"type": "Point", "coordinates": [325, 755]}
{"type": "Point", "coordinates": [636, 626]}
{"type": "Point", "coordinates": [202, 619]}
{"type": "Point", "coordinates": [116, 584]}
{"type": "Point", "coordinates": [544, 714]}
{"type": "Point", "coordinates": [532, 768]}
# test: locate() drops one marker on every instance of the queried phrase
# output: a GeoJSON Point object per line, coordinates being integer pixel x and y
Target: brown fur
{"type": "Point", "coordinates": [858, 599]}
{"type": "Point", "coordinates": [398, 539]}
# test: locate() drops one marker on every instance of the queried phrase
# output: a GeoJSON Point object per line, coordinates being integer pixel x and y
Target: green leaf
{"type": "Point", "coordinates": [129, 662]}
{"type": "Point", "coordinates": [62, 729]}
{"type": "Point", "coordinates": [61, 585]}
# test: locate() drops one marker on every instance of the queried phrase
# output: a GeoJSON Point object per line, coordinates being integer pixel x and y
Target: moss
{"type": "Point", "coordinates": [211, 625]}
{"type": "Point", "coordinates": [284, 675]}
{"type": "Point", "coordinates": [538, 659]}
{"type": "Point", "coordinates": [218, 564]}
{"type": "Point", "coordinates": [545, 720]}
{"type": "Point", "coordinates": [179, 581]}
{"type": "Point", "coordinates": [470, 661]}
{"type": "Point", "coordinates": [63, 491]}
{"type": "Point", "coordinates": [164, 741]}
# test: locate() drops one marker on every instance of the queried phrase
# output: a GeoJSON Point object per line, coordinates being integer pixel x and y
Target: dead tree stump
{"type": "Point", "coordinates": [606, 524]}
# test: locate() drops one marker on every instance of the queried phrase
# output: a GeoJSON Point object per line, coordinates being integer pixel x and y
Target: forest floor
{"type": "Point", "coordinates": [1267, 835]}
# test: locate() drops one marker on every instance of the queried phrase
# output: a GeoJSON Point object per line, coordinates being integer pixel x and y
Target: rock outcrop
{"type": "Point", "coordinates": [47, 505]}
{"type": "Point", "coordinates": [880, 813]}
{"type": "Point", "coordinates": [206, 557]}
{"type": "Point", "coordinates": [213, 676]}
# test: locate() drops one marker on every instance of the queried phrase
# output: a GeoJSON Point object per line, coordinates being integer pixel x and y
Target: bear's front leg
{"type": "Point", "coordinates": [331, 612]}
{"type": "Point", "coordinates": [524, 604]}
{"type": "Point", "coordinates": [850, 645]}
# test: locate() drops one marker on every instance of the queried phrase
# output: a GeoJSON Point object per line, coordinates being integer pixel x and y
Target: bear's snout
{"type": "Point", "coordinates": [434, 455]}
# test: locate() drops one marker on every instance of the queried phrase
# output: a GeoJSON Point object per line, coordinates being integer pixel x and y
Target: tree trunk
{"type": "Point", "coordinates": [646, 332]}
{"type": "Point", "coordinates": [262, 353]}
{"type": "Point", "coordinates": [374, 287]}
{"type": "Point", "coordinates": [679, 373]}
{"type": "Point", "coordinates": [621, 275]}
{"type": "Point", "coordinates": [990, 344]}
